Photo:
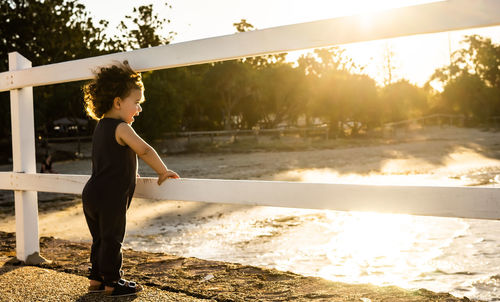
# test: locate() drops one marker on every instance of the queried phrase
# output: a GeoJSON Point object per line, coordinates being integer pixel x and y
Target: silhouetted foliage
{"type": "Point", "coordinates": [324, 86]}
{"type": "Point", "coordinates": [141, 29]}
{"type": "Point", "coordinates": [401, 101]}
{"type": "Point", "coordinates": [49, 32]}
{"type": "Point", "coordinates": [472, 81]}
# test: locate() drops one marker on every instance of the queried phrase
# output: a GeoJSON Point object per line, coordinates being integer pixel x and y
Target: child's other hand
{"type": "Point", "coordinates": [164, 176]}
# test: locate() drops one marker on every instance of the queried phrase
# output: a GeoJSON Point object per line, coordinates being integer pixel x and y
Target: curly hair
{"type": "Point", "coordinates": [110, 82]}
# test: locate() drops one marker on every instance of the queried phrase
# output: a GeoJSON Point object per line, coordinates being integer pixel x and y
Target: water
{"type": "Point", "coordinates": [459, 256]}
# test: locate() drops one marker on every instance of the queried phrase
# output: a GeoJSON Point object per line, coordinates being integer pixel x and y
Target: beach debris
{"type": "Point", "coordinates": [365, 300]}
{"type": "Point", "coordinates": [36, 258]}
{"type": "Point", "coordinates": [207, 277]}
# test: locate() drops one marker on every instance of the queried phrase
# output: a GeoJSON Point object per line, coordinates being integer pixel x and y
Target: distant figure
{"type": "Point", "coordinates": [47, 165]}
{"type": "Point", "coordinates": [114, 98]}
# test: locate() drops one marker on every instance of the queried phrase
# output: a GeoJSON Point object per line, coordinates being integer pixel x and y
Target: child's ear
{"type": "Point", "coordinates": [117, 102]}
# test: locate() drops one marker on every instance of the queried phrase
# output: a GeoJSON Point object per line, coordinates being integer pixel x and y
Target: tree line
{"type": "Point", "coordinates": [324, 86]}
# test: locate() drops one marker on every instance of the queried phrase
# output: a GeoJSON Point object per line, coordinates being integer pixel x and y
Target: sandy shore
{"type": "Point", "coordinates": [171, 278]}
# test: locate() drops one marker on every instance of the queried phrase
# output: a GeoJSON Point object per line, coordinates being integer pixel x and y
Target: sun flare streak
{"type": "Point", "coordinates": [460, 168]}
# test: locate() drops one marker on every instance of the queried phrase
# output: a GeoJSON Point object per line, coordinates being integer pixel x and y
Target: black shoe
{"type": "Point", "coordinates": [125, 288]}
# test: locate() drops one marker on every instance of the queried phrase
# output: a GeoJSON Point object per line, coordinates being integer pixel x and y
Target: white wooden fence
{"type": "Point", "coordinates": [438, 201]}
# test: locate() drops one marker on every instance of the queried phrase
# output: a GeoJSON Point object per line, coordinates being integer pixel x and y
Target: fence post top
{"type": "Point", "coordinates": [18, 61]}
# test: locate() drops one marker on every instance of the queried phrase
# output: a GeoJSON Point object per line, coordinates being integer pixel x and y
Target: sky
{"type": "Point", "coordinates": [415, 58]}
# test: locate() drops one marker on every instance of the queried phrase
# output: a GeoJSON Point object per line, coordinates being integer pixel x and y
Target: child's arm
{"type": "Point", "coordinates": [125, 135]}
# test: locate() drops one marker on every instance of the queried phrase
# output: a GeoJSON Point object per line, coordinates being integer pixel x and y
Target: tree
{"type": "Point", "coordinates": [146, 26]}
{"type": "Point", "coordinates": [47, 32]}
{"type": "Point", "coordinates": [337, 94]}
{"type": "Point", "coordinates": [281, 94]}
{"type": "Point", "coordinates": [229, 83]}
{"type": "Point", "coordinates": [347, 101]}
{"type": "Point", "coordinates": [388, 65]}
{"type": "Point", "coordinates": [467, 94]}
{"type": "Point", "coordinates": [326, 60]}
{"type": "Point", "coordinates": [472, 80]}
{"type": "Point", "coordinates": [402, 100]}
{"type": "Point", "coordinates": [199, 113]}
{"type": "Point", "coordinates": [165, 90]}
{"type": "Point", "coordinates": [481, 57]}
{"type": "Point", "coordinates": [333, 59]}
{"type": "Point", "coordinates": [174, 102]}
{"type": "Point", "coordinates": [258, 62]}
{"type": "Point", "coordinates": [364, 103]}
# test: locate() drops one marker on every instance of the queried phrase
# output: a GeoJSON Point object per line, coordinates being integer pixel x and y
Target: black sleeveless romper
{"type": "Point", "coordinates": [106, 198]}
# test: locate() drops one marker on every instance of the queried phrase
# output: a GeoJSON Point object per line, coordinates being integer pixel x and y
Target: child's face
{"type": "Point", "coordinates": [131, 105]}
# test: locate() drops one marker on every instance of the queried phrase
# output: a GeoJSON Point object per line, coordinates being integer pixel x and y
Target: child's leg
{"type": "Point", "coordinates": [93, 223]}
{"type": "Point", "coordinates": [112, 231]}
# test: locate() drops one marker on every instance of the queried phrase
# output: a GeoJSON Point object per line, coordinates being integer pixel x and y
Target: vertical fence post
{"type": "Point", "coordinates": [23, 157]}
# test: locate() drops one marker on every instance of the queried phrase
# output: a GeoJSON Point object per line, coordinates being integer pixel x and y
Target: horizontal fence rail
{"type": "Point", "coordinates": [421, 19]}
{"type": "Point", "coordinates": [463, 202]}
{"type": "Point", "coordinates": [424, 118]}
{"type": "Point", "coordinates": [249, 131]}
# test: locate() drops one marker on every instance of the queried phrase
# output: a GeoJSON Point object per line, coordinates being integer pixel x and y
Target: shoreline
{"type": "Point", "coordinates": [214, 280]}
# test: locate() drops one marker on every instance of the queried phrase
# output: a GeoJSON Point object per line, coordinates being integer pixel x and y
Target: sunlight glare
{"type": "Point", "coordinates": [459, 168]}
{"type": "Point", "coordinates": [370, 55]}
{"type": "Point", "coordinates": [344, 8]}
{"type": "Point", "coordinates": [369, 245]}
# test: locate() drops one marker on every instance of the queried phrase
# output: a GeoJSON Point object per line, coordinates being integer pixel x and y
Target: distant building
{"type": "Point", "coordinates": [69, 126]}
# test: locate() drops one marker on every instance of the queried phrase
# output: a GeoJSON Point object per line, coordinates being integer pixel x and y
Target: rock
{"type": "Point", "coordinates": [36, 259]}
